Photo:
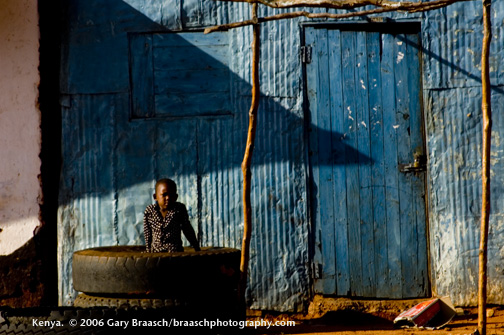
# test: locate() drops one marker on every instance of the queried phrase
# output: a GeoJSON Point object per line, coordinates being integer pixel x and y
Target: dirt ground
{"type": "Point", "coordinates": [367, 317]}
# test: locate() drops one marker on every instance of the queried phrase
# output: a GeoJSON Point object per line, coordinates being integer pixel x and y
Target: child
{"type": "Point", "coordinates": [165, 220]}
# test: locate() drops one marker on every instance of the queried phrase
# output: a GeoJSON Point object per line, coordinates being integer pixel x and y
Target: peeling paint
{"type": "Point", "coordinates": [400, 57]}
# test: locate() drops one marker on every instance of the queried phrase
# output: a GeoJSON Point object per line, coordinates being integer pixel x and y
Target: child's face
{"type": "Point", "coordinates": [164, 196]}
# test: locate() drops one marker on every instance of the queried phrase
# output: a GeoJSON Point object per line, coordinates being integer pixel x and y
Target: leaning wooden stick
{"type": "Point", "coordinates": [487, 136]}
{"type": "Point", "coordinates": [247, 159]}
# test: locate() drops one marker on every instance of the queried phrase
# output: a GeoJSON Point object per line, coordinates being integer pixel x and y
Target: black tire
{"type": "Point", "coordinates": [127, 270]}
{"type": "Point", "coordinates": [23, 329]}
{"type": "Point", "coordinates": [86, 301]}
{"type": "Point", "coordinates": [21, 321]}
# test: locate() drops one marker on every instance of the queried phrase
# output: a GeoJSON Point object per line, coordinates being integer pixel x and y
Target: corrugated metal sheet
{"type": "Point", "coordinates": [105, 148]}
{"type": "Point", "coordinates": [452, 55]}
{"type": "Point", "coordinates": [111, 161]}
{"type": "Point", "coordinates": [86, 214]}
{"type": "Point", "coordinates": [455, 153]}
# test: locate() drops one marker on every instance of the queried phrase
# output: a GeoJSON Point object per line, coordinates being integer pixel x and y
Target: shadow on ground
{"type": "Point", "coordinates": [348, 322]}
{"type": "Point", "coordinates": [333, 321]}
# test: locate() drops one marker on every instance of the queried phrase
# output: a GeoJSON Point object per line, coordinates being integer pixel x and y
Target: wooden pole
{"type": "Point", "coordinates": [247, 159]}
{"type": "Point", "coordinates": [487, 132]}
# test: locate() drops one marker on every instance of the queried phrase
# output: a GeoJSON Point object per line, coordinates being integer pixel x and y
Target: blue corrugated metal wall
{"type": "Point", "coordinates": [112, 157]}
{"type": "Point", "coordinates": [110, 161]}
{"type": "Point", "coordinates": [452, 98]}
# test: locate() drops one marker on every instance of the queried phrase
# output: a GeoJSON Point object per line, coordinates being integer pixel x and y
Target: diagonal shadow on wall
{"type": "Point", "coordinates": [140, 102]}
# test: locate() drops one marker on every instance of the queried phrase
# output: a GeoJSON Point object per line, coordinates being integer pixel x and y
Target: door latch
{"type": "Point", "coordinates": [419, 164]}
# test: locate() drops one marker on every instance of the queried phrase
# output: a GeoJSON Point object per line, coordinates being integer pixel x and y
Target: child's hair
{"type": "Point", "coordinates": [170, 183]}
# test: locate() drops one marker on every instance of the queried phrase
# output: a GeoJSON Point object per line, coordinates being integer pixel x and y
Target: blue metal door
{"type": "Point", "coordinates": [367, 160]}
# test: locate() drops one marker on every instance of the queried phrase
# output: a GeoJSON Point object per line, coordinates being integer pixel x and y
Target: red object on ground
{"type": "Point", "coordinates": [433, 313]}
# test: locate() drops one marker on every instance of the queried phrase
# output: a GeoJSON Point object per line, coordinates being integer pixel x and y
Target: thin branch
{"type": "Point", "coordinates": [247, 159]}
{"type": "Point", "coordinates": [333, 4]}
{"type": "Point", "coordinates": [485, 169]}
{"type": "Point", "coordinates": [410, 7]}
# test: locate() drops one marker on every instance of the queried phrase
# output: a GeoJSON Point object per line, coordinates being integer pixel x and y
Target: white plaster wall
{"type": "Point", "coordinates": [19, 123]}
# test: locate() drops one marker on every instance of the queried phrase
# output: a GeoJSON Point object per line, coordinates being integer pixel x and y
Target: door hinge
{"type": "Point", "coordinates": [65, 100]}
{"type": "Point", "coordinates": [317, 271]}
{"type": "Point", "coordinates": [306, 54]}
